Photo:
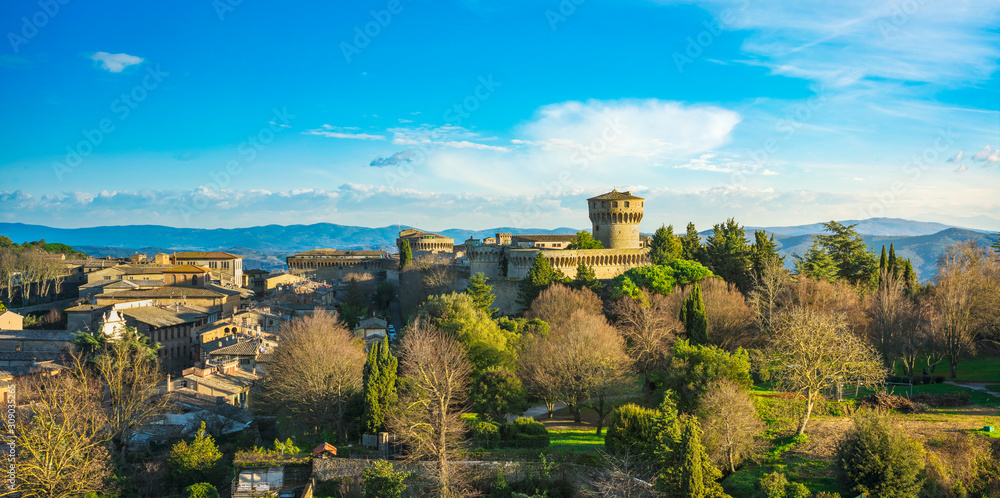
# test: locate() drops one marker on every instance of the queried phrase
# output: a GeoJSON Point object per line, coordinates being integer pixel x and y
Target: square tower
{"type": "Point", "coordinates": [616, 216]}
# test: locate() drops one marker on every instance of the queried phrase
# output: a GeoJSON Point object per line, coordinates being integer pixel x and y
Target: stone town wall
{"type": "Point", "coordinates": [607, 263]}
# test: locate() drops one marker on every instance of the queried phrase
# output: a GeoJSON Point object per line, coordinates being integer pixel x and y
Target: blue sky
{"type": "Point", "coordinates": [481, 114]}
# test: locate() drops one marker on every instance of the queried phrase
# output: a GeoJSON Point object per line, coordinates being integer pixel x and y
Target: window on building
{"type": "Point", "coordinates": [626, 203]}
{"type": "Point", "coordinates": [614, 204]}
{"type": "Point", "coordinates": [107, 277]}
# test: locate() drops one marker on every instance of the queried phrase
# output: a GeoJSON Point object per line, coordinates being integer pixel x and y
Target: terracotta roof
{"type": "Point", "coordinates": [615, 195]}
{"type": "Point", "coordinates": [243, 348]}
{"type": "Point", "coordinates": [206, 255]}
{"type": "Point", "coordinates": [161, 292]}
{"type": "Point", "coordinates": [37, 335]}
{"type": "Point", "coordinates": [86, 307]}
{"type": "Point", "coordinates": [159, 317]}
{"type": "Point", "coordinates": [335, 252]}
{"type": "Point", "coordinates": [544, 238]}
{"type": "Point", "coordinates": [372, 323]}
{"type": "Point", "coordinates": [143, 269]}
{"type": "Point", "coordinates": [186, 269]}
{"type": "Point", "coordinates": [324, 448]}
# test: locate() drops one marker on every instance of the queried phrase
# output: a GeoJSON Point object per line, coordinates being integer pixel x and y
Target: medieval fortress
{"type": "Point", "coordinates": [615, 217]}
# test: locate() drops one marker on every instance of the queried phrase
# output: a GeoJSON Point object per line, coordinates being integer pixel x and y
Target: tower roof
{"type": "Point", "coordinates": [615, 195]}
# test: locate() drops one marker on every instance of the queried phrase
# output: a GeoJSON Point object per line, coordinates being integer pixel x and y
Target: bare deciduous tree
{"type": "Point", "coordinates": [732, 428]}
{"type": "Point", "coordinates": [730, 320]}
{"type": "Point", "coordinates": [625, 476]}
{"type": "Point", "coordinates": [538, 370]}
{"type": "Point", "coordinates": [590, 365]}
{"type": "Point", "coordinates": [813, 351]}
{"type": "Point", "coordinates": [650, 327]}
{"type": "Point", "coordinates": [315, 372]}
{"type": "Point", "coordinates": [965, 298]}
{"type": "Point", "coordinates": [62, 438]}
{"type": "Point", "coordinates": [130, 375]}
{"type": "Point", "coordinates": [894, 319]}
{"type": "Point", "coordinates": [558, 302]}
{"type": "Point", "coordinates": [767, 286]}
{"type": "Point", "coordinates": [433, 394]}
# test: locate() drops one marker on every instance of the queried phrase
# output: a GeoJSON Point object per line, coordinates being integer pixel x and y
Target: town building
{"type": "Point", "coordinates": [224, 266]}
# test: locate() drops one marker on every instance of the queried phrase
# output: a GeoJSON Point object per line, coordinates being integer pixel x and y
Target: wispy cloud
{"type": "Point", "coordinates": [988, 155]}
{"type": "Point", "coordinates": [115, 63]}
{"type": "Point", "coordinates": [349, 132]}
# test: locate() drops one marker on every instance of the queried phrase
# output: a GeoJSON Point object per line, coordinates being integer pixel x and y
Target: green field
{"type": "Point", "coordinates": [575, 441]}
{"type": "Point", "coordinates": [975, 369]}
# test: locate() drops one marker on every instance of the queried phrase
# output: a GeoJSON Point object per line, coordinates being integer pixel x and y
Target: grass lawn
{"type": "Point", "coordinates": [575, 441]}
{"type": "Point", "coordinates": [976, 369]}
{"type": "Point", "coordinates": [993, 387]}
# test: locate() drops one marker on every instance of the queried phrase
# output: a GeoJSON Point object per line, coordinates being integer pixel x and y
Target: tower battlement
{"type": "Point", "coordinates": [615, 217]}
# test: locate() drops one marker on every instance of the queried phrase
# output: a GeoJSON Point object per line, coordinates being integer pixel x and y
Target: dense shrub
{"type": "Point", "coordinates": [692, 368]}
{"type": "Point", "coordinates": [962, 464]}
{"type": "Point", "coordinates": [381, 480]}
{"type": "Point", "coordinates": [877, 458]}
{"type": "Point", "coordinates": [521, 433]}
{"type": "Point", "coordinates": [632, 429]}
{"type": "Point", "coordinates": [201, 490]}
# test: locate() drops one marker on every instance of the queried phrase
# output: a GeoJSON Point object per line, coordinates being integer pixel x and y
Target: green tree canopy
{"type": "Point", "coordinates": [198, 461]}
{"type": "Point", "coordinates": [405, 254]}
{"type": "Point", "coordinates": [686, 469]}
{"type": "Point", "coordinates": [691, 244]}
{"type": "Point", "coordinates": [381, 480]}
{"type": "Point", "coordinates": [817, 264]}
{"type": "Point", "coordinates": [586, 277]}
{"type": "Point", "coordinates": [584, 240]}
{"type": "Point", "coordinates": [728, 255]}
{"type": "Point", "coordinates": [658, 279]}
{"type": "Point", "coordinates": [539, 277]}
{"type": "Point", "coordinates": [693, 367]}
{"type": "Point", "coordinates": [481, 293]}
{"type": "Point", "coordinates": [379, 380]}
{"type": "Point", "coordinates": [855, 263]}
{"type": "Point", "coordinates": [693, 317]}
{"type": "Point", "coordinates": [665, 247]}
{"type": "Point", "coordinates": [763, 250]}
{"type": "Point", "coordinates": [486, 343]}
{"type": "Point", "coordinates": [497, 392]}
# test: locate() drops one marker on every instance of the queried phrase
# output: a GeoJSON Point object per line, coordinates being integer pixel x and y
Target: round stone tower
{"type": "Point", "coordinates": [616, 216]}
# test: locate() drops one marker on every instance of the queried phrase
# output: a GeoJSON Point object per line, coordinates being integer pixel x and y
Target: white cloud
{"type": "Point", "coordinates": [115, 63]}
{"type": "Point", "coordinates": [648, 128]}
{"type": "Point", "coordinates": [349, 132]}
{"type": "Point", "coordinates": [961, 169]}
{"type": "Point", "coordinates": [958, 157]}
{"type": "Point", "coordinates": [842, 42]}
{"type": "Point", "coordinates": [988, 155]}
{"type": "Point", "coordinates": [708, 162]}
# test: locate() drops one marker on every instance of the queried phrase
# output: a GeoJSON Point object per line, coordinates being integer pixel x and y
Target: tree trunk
{"type": "Point", "coordinates": [600, 414]}
{"type": "Point", "coordinates": [732, 466]}
{"type": "Point", "coordinates": [809, 408]}
{"type": "Point", "coordinates": [575, 409]}
{"type": "Point", "coordinates": [954, 367]}
{"type": "Point", "coordinates": [550, 406]}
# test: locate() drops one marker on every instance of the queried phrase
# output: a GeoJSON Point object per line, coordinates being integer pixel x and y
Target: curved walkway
{"type": "Point", "coordinates": [976, 386]}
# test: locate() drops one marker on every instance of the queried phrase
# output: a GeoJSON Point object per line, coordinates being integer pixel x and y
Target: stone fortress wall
{"type": "Point", "coordinates": [615, 217]}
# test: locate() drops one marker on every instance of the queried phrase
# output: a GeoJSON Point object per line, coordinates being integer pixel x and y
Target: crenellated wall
{"type": "Point", "coordinates": [607, 263]}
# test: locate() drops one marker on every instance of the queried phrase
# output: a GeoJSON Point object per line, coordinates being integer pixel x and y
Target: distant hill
{"type": "Point", "coordinates": [266, 246]}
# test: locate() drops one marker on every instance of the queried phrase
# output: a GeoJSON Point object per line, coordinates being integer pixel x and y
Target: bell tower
{"type": "Point", "coordinates": [616, 216]}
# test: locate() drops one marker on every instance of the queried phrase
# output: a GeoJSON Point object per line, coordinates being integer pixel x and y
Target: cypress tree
{"type": "Point", "coordinates": [586, 277]}
{"type": "Point", "coordinates": [693, 317]}
{"type": "Point", "coordinates": [882, 261]}
{"type": "Point", "coordinates": [405, 254]}
{"type": "Point", "coordinates": [691, 244]}
{"type": "Point", "coordinates": [482, 294]}
{"type": "Point", "coordinates": [664, 247]}
{"type": "Point", "coordinates": [892, 263]}
{"type": "Point", "coordinates": [539, 277]}
{"type": "Point", "coordinates": [379, 380]}
{"type": "Point", "coordinates": [687, 469]}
